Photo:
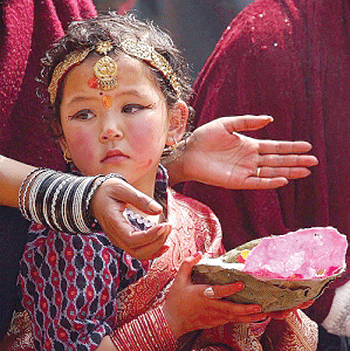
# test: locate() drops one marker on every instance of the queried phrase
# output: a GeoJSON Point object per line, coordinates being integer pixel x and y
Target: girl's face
{"type": "Point", "coordinates": [123, 130]}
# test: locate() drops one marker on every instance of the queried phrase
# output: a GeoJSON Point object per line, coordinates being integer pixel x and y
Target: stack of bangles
{"type": "Point", "coordinates": [60, 201]}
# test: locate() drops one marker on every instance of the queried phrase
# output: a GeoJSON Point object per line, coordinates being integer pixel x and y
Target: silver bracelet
{"type": "Point", "coordinates": [23, 190]}
{"type": "Point", "coordinates": [45, 205]}
{"type": "Point", "coordinates": [77, 207]}
{"type": "Point", "coordinates": [33, 194]}
{"type": "Point", "coordinates": [53, 205]}
{"type": "Point", "coordinates": [64, 207]}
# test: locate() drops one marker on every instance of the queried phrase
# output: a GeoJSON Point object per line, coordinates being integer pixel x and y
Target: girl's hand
{"type": "Point", "coordinates": [217, 155]}
{"type": "Point", "coordinates": [108, 205]}
{"type": "Point", "coordinates": [191, 307]}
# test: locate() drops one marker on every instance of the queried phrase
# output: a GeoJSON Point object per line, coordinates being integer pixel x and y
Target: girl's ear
{"type": "Point", "coordinates": [63, 143]}
{"type": "Point", "coordinates": [65, 150]}
{"type": "Point", "coordinates": [178, 115]}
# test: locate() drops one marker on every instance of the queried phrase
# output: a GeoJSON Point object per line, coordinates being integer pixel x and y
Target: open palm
{"type": "Point", "coordinates": [217, 155]}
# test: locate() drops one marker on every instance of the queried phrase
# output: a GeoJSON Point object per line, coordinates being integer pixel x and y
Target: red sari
{"type": "Point", "coordinates": [195, 228]}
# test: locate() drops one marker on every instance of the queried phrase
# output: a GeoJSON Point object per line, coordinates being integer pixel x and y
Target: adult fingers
{"type": "Point", "coordinates": [155, 249]}
{"type": "Point", "coordinates": [235, 312]}
{"type": "Point", "coordinates": [220, 291]}
{"type": "Point", "coordinates": [283, 147]}
{"type": "Point", "coordinates": [275, 160]}
{"type": "Point", "coordinates": [121, 191]}
{"type": "Point", "coordinates": [142, 245]}
{"type": "Point", "coordinates": [285, 172]}
{"type": "Point", "coordinates": [108, 205]}
{"type": "Point", "coordinates": [245, 123]}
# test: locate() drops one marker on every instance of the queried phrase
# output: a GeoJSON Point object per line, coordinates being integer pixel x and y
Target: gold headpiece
{"type": "Point", "coordinates": [105, 69]}
{"type": "Point", "coordinates": [147, 53]}
{"type": "Point", "coordinates": [71, 60]}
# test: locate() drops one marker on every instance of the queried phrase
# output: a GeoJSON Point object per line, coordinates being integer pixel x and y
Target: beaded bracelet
{"type": "Point", "coordinates": [60, 201]}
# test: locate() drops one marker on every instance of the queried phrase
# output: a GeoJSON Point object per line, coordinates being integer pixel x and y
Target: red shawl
{"type": "Point", "coordinates": [288, 59]}
{"type": "Point", "coordinates": [28, 28]}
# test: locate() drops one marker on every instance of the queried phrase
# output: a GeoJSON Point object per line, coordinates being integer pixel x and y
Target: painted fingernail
{"type": "Point", "coordinates": [240, 285]}
{"type": "Point", "coordinates": [154, 206]}
{"type": "Point", "coordinates": [257, 309]}
{"type": "Point", "coordinates": [161, 230]}
{"type": "Point", "coordinates": [209, 292]}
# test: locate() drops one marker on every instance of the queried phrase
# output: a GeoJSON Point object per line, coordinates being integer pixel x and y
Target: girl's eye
{"type": "Point", "coordinates": [132, 108]}
{"type": "Point", "coordinates": [83, 114]}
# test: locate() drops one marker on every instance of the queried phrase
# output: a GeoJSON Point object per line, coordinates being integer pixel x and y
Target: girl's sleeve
{"type": "Point", "coordinates": [148, 332]}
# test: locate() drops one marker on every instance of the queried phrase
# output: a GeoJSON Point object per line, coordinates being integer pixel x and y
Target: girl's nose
{"type": "Point", "coordinates": [110, 134]}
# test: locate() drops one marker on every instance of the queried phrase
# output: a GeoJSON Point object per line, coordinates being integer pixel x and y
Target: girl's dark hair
{"type": "Point", "coordinates": [116, 29]}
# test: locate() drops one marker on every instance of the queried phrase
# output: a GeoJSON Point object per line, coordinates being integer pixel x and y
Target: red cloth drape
{"type": "Point", "coordinates": [288, 59]}
{"type": "Point", "coordinates": [28, 28]}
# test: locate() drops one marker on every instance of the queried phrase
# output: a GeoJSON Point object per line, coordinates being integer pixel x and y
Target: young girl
{"type": "Point", "coordinates": [117, 88]}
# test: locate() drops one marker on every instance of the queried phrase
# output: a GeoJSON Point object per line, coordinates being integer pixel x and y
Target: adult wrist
{"type": "Point", "coordinates": [174, 159]}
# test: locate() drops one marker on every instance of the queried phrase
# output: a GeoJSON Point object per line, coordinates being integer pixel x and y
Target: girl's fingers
{"type": "Point", "coordinates": [220, 291]}
{"type": "Point", "coordinates": [185, 270]}
{"type": "Point", "coordinates": [305, 304]}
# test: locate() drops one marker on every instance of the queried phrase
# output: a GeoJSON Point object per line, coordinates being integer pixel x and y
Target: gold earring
{"type": "Point", "coordinates": [66, 158]}
{"type": "Point", "coordinates": [175, 145]}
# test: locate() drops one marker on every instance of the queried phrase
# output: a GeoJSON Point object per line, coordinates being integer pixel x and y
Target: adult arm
{"type": "Point", "coordinates": [108, 204]}
{"type": "Point", "coordinates": [217, 155]}
{"type": "Point", "coordinates": [262, 65]}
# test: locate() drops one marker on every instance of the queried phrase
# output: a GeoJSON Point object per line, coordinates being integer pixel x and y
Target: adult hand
{"type": "Point", "coordinates": [217, 155]}
{"type": "Point", "coordinates": [197, 306]}
{"type": "Point", "coordinates": [108, 205]}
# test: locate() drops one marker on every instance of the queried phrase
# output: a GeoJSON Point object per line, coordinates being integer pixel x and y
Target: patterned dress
{"type": "Point", "coordinates": [71, 283]}
{"type": "Point", "coordinates": [77, 289]}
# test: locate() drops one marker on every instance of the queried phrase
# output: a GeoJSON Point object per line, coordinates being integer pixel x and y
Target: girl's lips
{"type": "Point", "coordinates": [114, 156]}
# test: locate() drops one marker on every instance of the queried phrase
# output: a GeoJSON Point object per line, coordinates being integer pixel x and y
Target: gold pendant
{"type": "Point", "coordinates": [105, 70]}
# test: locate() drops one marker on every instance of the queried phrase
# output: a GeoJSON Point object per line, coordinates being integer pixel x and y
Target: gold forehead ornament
{"type": "Point", "coordinates": [105, 69]}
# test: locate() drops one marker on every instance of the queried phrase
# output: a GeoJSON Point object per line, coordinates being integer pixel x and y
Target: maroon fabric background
{"type": "Point", "coordinates": [288, 59]}
{"type": "Point", "coordinates": [29, 27]}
